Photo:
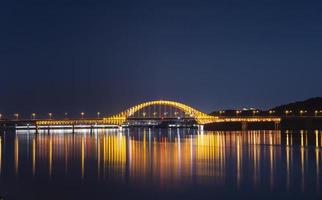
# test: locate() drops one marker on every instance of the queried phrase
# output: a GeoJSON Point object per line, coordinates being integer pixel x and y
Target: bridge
{"type": "Point", "coordinates": [156, 111]}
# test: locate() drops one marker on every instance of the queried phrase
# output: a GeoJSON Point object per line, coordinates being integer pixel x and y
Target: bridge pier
{"type": "Point", "coordinates": [37, 129]}
{"type": "Point", "coordinates": [277, 125]}
{"type": "Point", "coordinates": [244, 126]}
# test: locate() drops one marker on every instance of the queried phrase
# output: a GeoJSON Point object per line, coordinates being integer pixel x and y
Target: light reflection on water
{"type": "Point", "coordinates": [249, 160]}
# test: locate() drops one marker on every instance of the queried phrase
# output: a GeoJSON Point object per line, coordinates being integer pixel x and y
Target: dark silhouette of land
{"type": "Point", "coordinates": [298, 115]}
{"type": "Point", "coordinates": [309, 107]}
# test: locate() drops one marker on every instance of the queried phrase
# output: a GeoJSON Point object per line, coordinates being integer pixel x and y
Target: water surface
{"type": "Point", "coordinates": [160, 163]}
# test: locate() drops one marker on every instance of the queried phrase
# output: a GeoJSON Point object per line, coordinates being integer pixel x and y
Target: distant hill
{"type": "Point", "coordinates": [310, 105]}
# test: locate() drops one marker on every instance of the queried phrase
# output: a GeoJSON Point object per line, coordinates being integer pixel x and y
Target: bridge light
{"type": "Point", "coordinates": [82, 114]}
{"type": "Point", "coordinates": [98, 114]}
{"type": "Point", "coordinates": [50, 115]}
{"type": "Point", "coordinates": [144, 113]}
{"type": "Point", "coordinates": [33, 115]}
{"type": "Point", "coordinates": [66, 114]}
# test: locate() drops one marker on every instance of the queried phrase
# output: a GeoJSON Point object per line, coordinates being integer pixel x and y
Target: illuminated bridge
{"type": "Point", "coordinates": [154, 112]}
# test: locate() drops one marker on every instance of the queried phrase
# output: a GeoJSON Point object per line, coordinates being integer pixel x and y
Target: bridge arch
{"type": "Point", "coordinates": [200, 117]}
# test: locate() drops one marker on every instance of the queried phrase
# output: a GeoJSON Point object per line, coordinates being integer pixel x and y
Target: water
{"type": "Point", "coordinates": [160, 164]}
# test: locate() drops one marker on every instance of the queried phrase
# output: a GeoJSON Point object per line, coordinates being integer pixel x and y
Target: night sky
{"type": "Point", "coordinates": [75, 55]}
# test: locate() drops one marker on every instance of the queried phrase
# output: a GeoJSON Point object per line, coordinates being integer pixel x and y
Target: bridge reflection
{"type": "Point", "coordinates": [169, 156]}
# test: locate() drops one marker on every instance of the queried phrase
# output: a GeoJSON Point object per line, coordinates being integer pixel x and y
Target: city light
{"type": "Point", "coordinates": [221, 112]}
{"type": "Point", "coordinates": [255, 112]}
{"type": "Point", "coordinates": [238, 112]}
{"type": "Point", "coordinates": [16, 115]}
{"type": "Point", "coordinates": [271, 112]}
{"type": "Point", "coordinates": [288, 112]}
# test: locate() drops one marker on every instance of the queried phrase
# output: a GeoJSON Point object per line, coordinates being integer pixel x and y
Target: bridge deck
{"type": "Point", "coordinates": [102, 122]}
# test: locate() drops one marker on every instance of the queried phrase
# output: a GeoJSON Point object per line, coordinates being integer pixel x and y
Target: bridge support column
{"type": "Point", "coordinates": [277, 125]}
{"type": "Point", "coordinates": [36, 129]}
{"type": "Point", "coordinates": [244, 126]}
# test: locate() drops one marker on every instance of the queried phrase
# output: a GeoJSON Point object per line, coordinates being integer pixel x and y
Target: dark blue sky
{"type": "Point", "coordinates": [65, 55]}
